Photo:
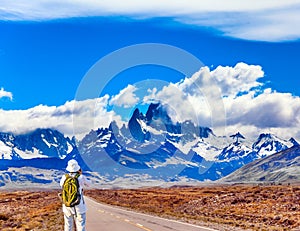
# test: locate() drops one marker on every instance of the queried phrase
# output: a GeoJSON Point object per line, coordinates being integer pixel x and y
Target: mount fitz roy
{"type": "Point", "coordinates": [149, 148]}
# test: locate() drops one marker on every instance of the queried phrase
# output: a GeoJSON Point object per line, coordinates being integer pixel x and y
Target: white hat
{"type": "Point", "coordinates": [73, 166]}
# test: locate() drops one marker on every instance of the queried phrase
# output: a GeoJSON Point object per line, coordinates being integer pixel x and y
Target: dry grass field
{"type": "Point", "coordinates": [26, 211]}
{"type": "Point", "coordinates": [247, 207]}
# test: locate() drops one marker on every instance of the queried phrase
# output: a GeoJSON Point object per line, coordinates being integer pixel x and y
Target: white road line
{"type": "Point", "coordinates": [121, 219]}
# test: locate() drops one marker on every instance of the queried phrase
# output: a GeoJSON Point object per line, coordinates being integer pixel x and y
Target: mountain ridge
{"type": "Point", "coordinates": [150, 145]}
{"type": "Point", "coordinates": [279, 167]}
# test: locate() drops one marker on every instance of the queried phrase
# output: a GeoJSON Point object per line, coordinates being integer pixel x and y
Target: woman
{"type": "Point", "coordinates": [76, 213]}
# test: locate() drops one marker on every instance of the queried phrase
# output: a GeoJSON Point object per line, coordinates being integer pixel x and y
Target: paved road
{"type": "Point", "coordinates": [101, 217]}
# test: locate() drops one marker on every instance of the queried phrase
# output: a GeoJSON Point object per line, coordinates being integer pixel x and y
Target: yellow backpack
{"type": "Point", "coordinates": [70, 192]}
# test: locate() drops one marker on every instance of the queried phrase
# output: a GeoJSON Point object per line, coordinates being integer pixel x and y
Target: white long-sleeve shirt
{"type": "Point", "coordinates": [83, 183]}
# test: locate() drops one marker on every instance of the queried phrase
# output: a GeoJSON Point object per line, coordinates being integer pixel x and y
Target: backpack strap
{"type": "Point", "coordinates": [80, 192]}
{"type": "Point", "coordinates": [66, 176]}
{"type": "Point", "coordinates": [77, 175]}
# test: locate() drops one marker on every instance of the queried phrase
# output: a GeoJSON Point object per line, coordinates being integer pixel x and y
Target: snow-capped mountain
{"type": "Point", "coordinates": [37, 144]}
{"type": "Point", "coordinates": [42, 148]}
{"type": "Point", "coordinates": [151, 146]}
{"type": "Point", "coordinates": [283, 166]}
{"type": "Point", "coordinates": [268, 144]}
{"type": "Point", "coordinates": [138, 127]}
{"type": "Point", "coordinates": [165, 150]}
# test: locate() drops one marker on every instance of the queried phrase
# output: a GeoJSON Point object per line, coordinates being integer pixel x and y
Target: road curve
{"type": "Point", "coordinates": [101, 217]}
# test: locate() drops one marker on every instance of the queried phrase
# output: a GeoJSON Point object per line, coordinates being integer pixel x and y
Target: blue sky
{"type": "Point", "coordinates": [46, 49]}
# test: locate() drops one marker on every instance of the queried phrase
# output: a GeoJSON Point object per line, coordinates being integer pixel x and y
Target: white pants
{"type": "Point", "coordinates": [79, 221]}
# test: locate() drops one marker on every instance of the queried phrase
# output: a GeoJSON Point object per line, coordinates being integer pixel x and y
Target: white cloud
{"type": "Point", "coordinates": [268, 20]}
{"type": "Point", "coordinates": [269, 109]}
{"type": "Point", "coordinates": [177, 102]}
{"type": "Point", "coordinates": [212, 98]}
{"type": "Point", "coordinates": [238, 79]}
{"type": "Point", "coordinates": [278, 24]}
{"type": "Point", "coordinates": [209, 98]}
{"type": "Point", "coordinates": [126, 97]}
{"type": "Point", "coordinates": [5, 94]}
{"type": "Point", "coordinates": [73, 118]}
{"type": "Point", "coordinates": [195, 98]}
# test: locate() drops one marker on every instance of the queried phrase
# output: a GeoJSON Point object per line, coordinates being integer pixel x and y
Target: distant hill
{"type": "Point", "coordinates": [280, 167]}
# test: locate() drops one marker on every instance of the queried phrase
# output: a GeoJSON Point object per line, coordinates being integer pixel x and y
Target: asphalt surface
{"type": "Point", "coordinates": [101, 217]}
